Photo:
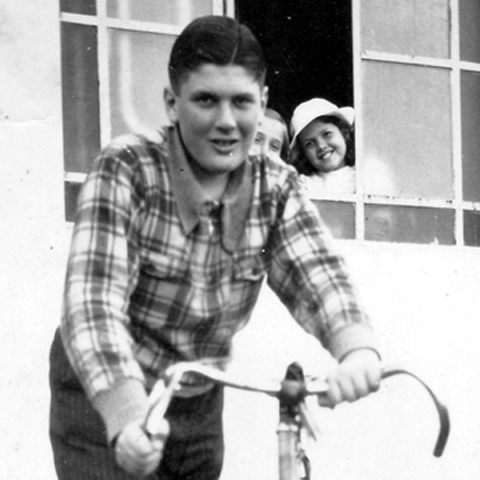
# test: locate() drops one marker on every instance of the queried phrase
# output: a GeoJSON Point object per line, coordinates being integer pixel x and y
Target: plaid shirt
{"type": "Point", "coordinates": [158, 273]}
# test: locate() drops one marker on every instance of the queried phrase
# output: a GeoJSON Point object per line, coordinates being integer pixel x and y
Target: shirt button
{"type": "Point", "coordinates": [209, 207]}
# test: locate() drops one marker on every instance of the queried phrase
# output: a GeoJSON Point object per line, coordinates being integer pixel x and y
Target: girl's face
{"type": "Point", "coordinates": [323, 145]}
{"type": "Point", "coordinates": [268, 138]}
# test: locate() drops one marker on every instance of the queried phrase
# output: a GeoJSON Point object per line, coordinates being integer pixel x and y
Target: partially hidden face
{"type": "Point", "coordinates": [217, 110]}
{"type": "Point", "coordinates": [324, 146]}
{"type": "Point", "coordinates": [269, 138]}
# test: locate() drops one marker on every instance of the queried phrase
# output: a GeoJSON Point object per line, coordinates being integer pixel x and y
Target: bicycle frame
{"type": "Point", "coordinates": [290, 457]}
{"type": "Point", "coordinates": [292, 416]}
{"type": "Point", "coordinates": [291, 393]}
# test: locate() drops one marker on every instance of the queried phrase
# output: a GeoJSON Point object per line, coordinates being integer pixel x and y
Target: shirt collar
{"type": "Point", "coordinates": [191, 198]}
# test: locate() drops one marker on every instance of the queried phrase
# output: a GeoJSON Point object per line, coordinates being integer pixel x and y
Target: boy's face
{"type": "Point", "coordinates": [217, 110]}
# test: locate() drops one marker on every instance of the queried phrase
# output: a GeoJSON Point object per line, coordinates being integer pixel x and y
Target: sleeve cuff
{"type": "Point", "coordinates": [121, 405]}
{"type": "Point", "coordinates": [353, 337]}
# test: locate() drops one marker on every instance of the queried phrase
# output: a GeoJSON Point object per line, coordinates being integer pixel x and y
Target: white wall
{"type": "Point", "coordinates": [423, 300]}
{"type": "Point", "coordinates": [32, 239]}
{"type": "Point", "coordinates": [424, 303]}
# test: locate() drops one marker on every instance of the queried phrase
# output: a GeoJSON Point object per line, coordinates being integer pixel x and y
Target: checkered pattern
{"type": "Point", "coordinates": [158, 274]}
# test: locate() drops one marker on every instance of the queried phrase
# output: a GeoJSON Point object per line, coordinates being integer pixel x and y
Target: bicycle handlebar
{"type": "Point", "coordinates": [289, 390]}
{"type": "Point", "coordinates": [442, 410]}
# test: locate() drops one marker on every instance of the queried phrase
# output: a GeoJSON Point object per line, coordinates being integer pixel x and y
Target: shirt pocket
{"type": "Point", "coordinates": [162, 266]}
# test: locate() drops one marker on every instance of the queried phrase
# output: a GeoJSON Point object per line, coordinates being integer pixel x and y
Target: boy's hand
{"type": "Point", "coordinates": [137, 453]}
{"type": "Point", "coordinates": [355, 377]}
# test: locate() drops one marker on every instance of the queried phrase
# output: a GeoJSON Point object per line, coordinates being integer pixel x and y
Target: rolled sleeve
{"type": "Point", "coordinates": [121, 405]}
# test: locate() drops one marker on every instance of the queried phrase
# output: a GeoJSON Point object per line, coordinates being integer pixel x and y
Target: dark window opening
{"type": "Point", "coordinates": [308, 48]}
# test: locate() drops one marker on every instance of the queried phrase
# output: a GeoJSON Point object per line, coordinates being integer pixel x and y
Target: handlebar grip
{"type": "Point", "coordinates": [441, 409]}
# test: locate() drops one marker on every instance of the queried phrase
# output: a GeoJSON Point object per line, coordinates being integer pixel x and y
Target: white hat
{"type": "Point", "coordinates": [314, 108]}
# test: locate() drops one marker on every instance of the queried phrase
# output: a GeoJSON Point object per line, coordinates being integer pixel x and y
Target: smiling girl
{"type": "Point", "coordinates": [322, 148]}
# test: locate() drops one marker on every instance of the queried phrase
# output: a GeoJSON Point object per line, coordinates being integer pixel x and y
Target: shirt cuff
{"type": "Point", "coordinates": [351, 338]}
{"type": "Point", "coordinates": [121, 405]}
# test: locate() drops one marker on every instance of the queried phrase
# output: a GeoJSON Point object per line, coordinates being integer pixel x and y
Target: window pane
{"type": "Point", "coordinates": [84, 7]}
{"type": "Point", "coordinates": [470, 93]}
{"type": "Point", "coordinates": [407, 131]}
{"type": "Point", "coordinates": [407, 27]}
{"type": "Point", "coordinates": [388, 223]}
{"type": "Point", "coordinates": [471, 228]}
{"type": "Point", "coordinates": [80, 102]}
{"type": "Point", "coordinates": [339, 217]}
{"type": "Point", "coordinates": [171, 12]}
{"type": "Point", "coordinates": [72, 190]}
{"type": "Point", "coordinates": [469, 13]}
{"type": "Point", "coordinates": [136, 99]}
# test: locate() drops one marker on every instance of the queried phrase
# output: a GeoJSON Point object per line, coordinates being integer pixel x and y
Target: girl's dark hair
{"type": "Point", "coordinates": [274, 115]}
{"type": "Point", "coordinates": [217, 40]}
{"type": "Point", "coordinates": [302, 164]}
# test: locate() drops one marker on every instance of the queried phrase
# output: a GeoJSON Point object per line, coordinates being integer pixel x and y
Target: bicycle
{"type": "Point", "coordinates": [294, 416]}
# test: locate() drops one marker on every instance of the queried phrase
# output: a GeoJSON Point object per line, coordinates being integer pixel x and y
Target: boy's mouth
{"type": "Point", "coordinates": [224, 145]}
{"type": "Point", "coordinates": [224, 142]}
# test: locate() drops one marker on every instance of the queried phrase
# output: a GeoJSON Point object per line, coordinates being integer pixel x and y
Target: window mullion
{"type": "Point", "coordinates": [229, 8]}
{"type": "Point", "coordinates": [78, 18]}
{"type": "Point", "coordinates": [103, 72]}
{"type": "Point", "coordinates": [456, 122]}
{"type": "Point", "coordinates": [358, 104]}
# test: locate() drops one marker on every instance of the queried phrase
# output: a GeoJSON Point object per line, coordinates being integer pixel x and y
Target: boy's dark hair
{"type": "Point", "coordinates": [217, 40]}
{"type": "Point", "coordinates": [300, 161]}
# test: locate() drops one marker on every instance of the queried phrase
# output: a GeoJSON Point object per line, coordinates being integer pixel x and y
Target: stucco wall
{"type": "Point", "coordinates": [424, 302]}
{"type": "Point", "coordinates": [33, 237]}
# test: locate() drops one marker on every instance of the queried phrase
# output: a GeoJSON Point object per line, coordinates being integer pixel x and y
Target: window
{"type": "Point", "coordinates": [411, 69]}
{"type": "Point", "coordinates": [308, 49]}
{"type": "Point", "coordinates": [417, 98]}
{"type": "Point", "coordinates": [114, 58]}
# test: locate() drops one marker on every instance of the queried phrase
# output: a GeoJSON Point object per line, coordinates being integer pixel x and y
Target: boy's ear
{"type": "Point", "coordinates": [170, 101]}
{"type": "Point", "coordinates": [264, 98]}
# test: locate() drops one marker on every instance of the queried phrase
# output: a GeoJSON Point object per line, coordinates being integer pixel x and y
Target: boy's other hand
{"type": "Point", "coordinates": [136, 452]}
{"type": "Point", "coordinates": [356, 376]}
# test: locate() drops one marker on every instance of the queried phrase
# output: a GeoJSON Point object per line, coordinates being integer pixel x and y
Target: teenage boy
{"type": "Point", "coordinates": [172, 239]}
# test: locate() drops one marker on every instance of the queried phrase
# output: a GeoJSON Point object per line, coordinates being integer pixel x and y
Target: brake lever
{"type": "Point", "coordinates": [159, 401]}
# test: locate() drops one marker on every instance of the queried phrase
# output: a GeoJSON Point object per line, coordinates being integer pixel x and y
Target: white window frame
{"type": "Point", "coordinates": [103, 23]}
{"type": "Point", "coordinates": [359, 199]}
{"type": "Point", "coordinates": [455, 66]}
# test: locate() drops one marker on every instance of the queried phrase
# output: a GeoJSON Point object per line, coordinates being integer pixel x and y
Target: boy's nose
{"type": "Point", "coordinates": [225, 117]}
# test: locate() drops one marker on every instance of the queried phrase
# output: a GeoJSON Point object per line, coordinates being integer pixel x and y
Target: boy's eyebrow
{"type": "Point", "coordinates": [248, 95]}
{"type": "Point", "coordinates": [207, 91]}
{"type": "Point", "coordinates": [202, 91]}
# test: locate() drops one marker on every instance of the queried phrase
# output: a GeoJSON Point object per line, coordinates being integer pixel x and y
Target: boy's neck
{"type": "Point", "coordinates": [213, 185]}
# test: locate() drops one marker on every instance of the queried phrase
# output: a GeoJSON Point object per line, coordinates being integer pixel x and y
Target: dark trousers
{"type": "Point", "coordinates": [194, 449]}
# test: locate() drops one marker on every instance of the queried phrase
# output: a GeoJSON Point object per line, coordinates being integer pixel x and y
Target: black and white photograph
{"type": "Point", "coordinates": [241, 239]}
